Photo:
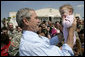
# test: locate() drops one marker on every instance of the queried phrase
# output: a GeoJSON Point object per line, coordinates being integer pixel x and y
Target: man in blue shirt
{"type": "Point", "coordinates": [32, 44]}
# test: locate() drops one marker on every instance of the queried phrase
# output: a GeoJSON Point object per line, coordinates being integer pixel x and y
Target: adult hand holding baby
{"type": "Point", "coordinates": [70, 38]}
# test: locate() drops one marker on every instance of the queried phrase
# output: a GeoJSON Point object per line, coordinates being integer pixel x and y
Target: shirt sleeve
{"type": "Point", "coordinates": [43, 49]}
{"type": "Point", "coordinates": [40, 50]}
{"type": "Point", "coordinates": [67, 50]}
{"type": "Point", "coordinates": [54, 40]}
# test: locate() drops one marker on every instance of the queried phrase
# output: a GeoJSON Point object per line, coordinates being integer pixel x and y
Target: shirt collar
{"type": "Point", "coordinates": [29, 32]}
{"type": "Point", "coordinates": [29, 35]}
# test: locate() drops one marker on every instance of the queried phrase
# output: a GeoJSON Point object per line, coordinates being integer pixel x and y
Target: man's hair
{"type": "Point", "coordinates": [82, 31]}
{"type": "Point", "coordinates": [68, 6]}
{"type": "Point", "coordinates": [4, 28]}
{"type": "Point", "coordinates": [4, 37]}
{"type": "Point", "coordinates": [23, 13]}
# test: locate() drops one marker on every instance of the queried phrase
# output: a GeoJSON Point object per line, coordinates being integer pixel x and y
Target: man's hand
{"type": "Point", "coordinates": [71, 30]}
{"type": "Point", "coordinates": [73, 27]}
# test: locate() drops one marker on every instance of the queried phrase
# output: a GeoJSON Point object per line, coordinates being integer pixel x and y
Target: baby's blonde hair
{"type": "Point", "coordinates": [68, 6]}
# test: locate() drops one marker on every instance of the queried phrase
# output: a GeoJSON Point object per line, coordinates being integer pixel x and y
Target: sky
{"type": "Point", "coordinates": [14, 6]}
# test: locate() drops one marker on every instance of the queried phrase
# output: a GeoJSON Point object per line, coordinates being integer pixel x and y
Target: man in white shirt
{"type": "Point", "coordinates": [34, 45]}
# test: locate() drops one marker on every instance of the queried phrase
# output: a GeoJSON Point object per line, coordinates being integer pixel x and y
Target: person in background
{"type": "Point", "coordinates": [11, 30]}
{"type": "Point", "coordinates": [5, 41]}
{"type": "Point", "coordinates": [18, 29]}
{"type": "Point", "coordinates": [54, 31]}
{"type": "Point", "coordinates": [44, 30]}
{"type": "Point", "coordinates": [81, 36]}
{"type": "Point", "coordinates": [15, 41]}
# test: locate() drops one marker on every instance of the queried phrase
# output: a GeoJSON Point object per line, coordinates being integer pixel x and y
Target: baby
{"type": "Point", "coordinates": [66, 12]}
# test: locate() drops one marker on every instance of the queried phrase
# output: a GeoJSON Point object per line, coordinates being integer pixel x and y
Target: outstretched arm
{"type": "Point", "coordinates": [71, 30]}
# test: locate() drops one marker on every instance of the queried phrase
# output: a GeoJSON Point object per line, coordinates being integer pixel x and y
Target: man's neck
{"type": "Point", "coordinates": [30, 29]}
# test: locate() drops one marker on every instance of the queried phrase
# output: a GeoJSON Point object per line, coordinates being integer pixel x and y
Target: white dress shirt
{"type": "Point", "coordinates": [34, 45]}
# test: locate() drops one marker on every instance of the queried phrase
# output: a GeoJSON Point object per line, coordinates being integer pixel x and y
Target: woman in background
{"type": "Point", "coordinates": [5, 42]}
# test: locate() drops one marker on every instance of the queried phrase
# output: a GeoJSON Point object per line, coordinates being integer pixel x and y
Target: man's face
{"type": "Point", "coordinates": [34, 21]}
{"type": "Point", "coordinates": [10, 26]}
{"type": "Point", "coordinates": [19, 29]}
{"type": "Point", "coordinates": [43, 25]}
{"type": "Point", "coordinates": [82, 37]}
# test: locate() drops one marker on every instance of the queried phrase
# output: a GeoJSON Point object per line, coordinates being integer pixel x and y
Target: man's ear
{"type": "Point", "coordinates": [25, 21]}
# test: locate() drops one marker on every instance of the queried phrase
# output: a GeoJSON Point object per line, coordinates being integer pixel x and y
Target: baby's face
{"type": "Point", "coordinates": [64, 12]}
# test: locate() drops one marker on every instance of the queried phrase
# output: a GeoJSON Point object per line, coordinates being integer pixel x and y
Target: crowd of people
{"type": "Point", "coordinates": [11, 37]}
{"type": "Point", "coordinates": [49, 30]}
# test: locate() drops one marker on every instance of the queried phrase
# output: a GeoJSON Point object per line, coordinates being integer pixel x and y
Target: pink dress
{"type": "Point", "coordinates": [67, 22]}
